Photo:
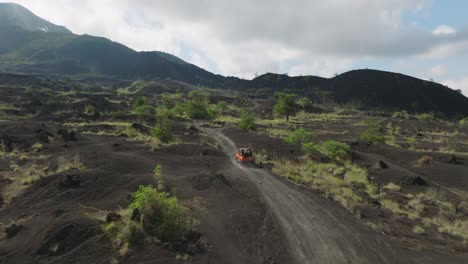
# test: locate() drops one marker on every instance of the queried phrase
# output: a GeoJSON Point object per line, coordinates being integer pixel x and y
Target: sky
{"type": "Point", "coordinates": [427, 39]}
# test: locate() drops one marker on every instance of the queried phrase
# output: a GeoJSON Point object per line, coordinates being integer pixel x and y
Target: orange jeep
{"type": "Point", "coordinates": [245, 155]}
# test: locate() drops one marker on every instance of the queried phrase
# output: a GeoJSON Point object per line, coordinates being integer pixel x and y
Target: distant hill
{"type": "Point", "coordinates": [30, 44]}
{"type": "Point", "coordinates": [397, 91]}
{"type": "Point", "coordinates": [368, 88]}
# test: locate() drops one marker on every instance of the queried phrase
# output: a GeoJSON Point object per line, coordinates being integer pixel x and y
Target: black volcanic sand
{"type": "Point", "coordinates": [62, 222]}
{"type": "Point", "coordinates": [59, 219]}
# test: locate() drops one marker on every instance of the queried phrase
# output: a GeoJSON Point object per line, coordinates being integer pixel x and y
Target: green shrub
{"type": "Point", "coordinates": [373, 132]}
{"type": "Point", "coordinates": [247, 121]}
{"type": "Point", "coordinates": [89, 110]}
{"type": "Point", "coordinates": [196, 109]}
{"type": "Point", "coordinates": [140, 101]}
{"type": "Point", "coordinates": [37, 147]}
{"type": "Point", "coordinates": [334, 149]}
{"type": "Point", "coordinates": [464, 121]}
{"type": "Point", "coordinates": [163, 130]}
{"type": "Point", "coordinates": [161, 214]}
{"type": "Point", "coordinates": [117, 114]}
{"type": "Point", "coordinates": [126, 233]}
{"type": "Point", "coordinates": [401, 115]}
{"type": "Point", "coordinates": [426, 117]}
{"type": "Point", "coordinates": [300, 136]}
{"type": "Point", "coordinates": [145, 111]}
{"type": "Point", "coordinates": [418, 230]}
{"type": "Point", "coordinates": [309, 147]}
{"type": "Point", "coordinates": [411, 141]}
{"type": "Point", "coordinates": [392, 187]}
{"type": "Point", "coordinates": [222, 105]}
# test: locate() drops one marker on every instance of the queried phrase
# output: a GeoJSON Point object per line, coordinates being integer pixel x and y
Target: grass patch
{"type": "Point", "coordinates": [342, 183]}
{"type": "Point", "coordinates": [373, 133]}
{"type": "Point", "coordinates": [392, 187]}
{"type": "Point", "coordinates": [418, 230]}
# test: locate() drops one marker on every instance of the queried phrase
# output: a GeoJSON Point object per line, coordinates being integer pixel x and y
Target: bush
{"type": "Point", "coordinates": [392, 187]}
{"type": "Point", "coordinates": [426, 117]}
{"type": "Point", "coordinates": [140, 101]}
{"type": "Point", "coordinates": [161, 215]}
{"type": "Point", "coordinates": [247, 121]}
{"type": "Point", "coordinates": [163, 130]}
{"type": "Point", "coordinates": [37, 147]}
{"type": "Point", "coordinates": [401, 115]}
{"type": "Point", "coordinates": [117, 114]}
{"type": "Point", "coordinates": [411, 141]}
{"type": "Point", "coordinates": [373, 133]}
{"type": "Point", "coordinates": [464, 121]}
{"type": "Point", "coordinates": [145, 111]}
{"type": "Point", "coordinates": [196, 109]}
{"type": "Point", "coordinates": [309, 147]}
{"type": "Point", "coordinates": [300, 136]}
{"type": "Point", "coordinates": [89, 110]}
{"type": "Point", "coordinates": [334, 149]}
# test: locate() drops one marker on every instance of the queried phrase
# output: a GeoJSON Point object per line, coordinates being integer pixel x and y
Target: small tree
{"type": "Point", "coordinates": [163, 130]}
{"type": "Point", "coordinates": [285, 105]}
{"type": "Point", "coordinates": [247, 121]}
{"type": "Point", "coordinates": [140, 101]}
{"type": "Point", "coordinates": [304, 102]}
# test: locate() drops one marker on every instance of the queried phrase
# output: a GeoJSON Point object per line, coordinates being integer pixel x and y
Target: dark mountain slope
{"type": "Point", "coordinates": [57, 53]}
{"type": "Point", "coordinates": [397, 91]}
{"type": "Point", "coordinates": [16, 16]}
{"type": "Point", "coordinates": [371, 88]}
{"type": "Point", "coordinates": [25, 47]}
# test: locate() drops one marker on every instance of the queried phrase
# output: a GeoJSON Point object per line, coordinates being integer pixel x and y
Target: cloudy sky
{"type": "Point", "coordinates": [424, 38]}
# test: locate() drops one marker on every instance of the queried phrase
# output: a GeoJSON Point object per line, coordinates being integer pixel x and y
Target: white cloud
{"type": "Point", "coordinates": [437, 71]}
{"type": "Point", "coordinates": [460, 83]}
{"type": "Point", "coordinates": [444, 30]}
{"type": "Point", "coordinates": [243, 37]}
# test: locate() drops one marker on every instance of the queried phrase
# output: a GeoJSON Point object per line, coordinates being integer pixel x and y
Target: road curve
{"type": "Point", "coordinates": [316, 229]}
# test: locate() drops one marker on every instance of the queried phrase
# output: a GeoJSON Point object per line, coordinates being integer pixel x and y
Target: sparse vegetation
{"type": "Point", "coordinates": [89, 110]}
{"type": "Point", "coordinates": [411, 141]}
{"type": "Point", "coordinates": [418, 230]}
{"type": "Point", "coordinates": [334, 149]}
{"type": "Point", "coordinates": [300, 136]}
{"type": "Point", "coordinates": [401, 115]}
{"type": "Point", "coordinates": [426, 117]}
{"type": "Point", "coordinates": [247, 121]}
{"type": "Point", "coordinates": [342, 183]}
{"type": "Point", "coordinates": [153, 214]}
{"type": "Point", "coordinates": [37, 147]}
{"type": "Point", "coordinates": [392, 187]}
{"type": "Point", "coordinates": [464, 121]}
{"type": "Point", "coordinates": [373, 133]}
{"type": "Point", "coordinates": [163, 130]}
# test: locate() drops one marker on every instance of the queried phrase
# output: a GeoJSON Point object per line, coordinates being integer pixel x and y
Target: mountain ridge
{"type": "Point", "coordinates": [31, 50]}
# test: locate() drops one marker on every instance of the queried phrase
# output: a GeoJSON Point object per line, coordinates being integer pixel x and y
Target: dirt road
{"type": "Point", "coordinates": [319, 231]}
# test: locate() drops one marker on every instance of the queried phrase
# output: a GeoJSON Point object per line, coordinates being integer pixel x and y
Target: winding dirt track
{"type": "Point", "coordinates": [317, 230]}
